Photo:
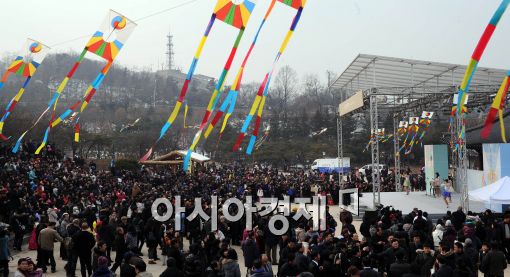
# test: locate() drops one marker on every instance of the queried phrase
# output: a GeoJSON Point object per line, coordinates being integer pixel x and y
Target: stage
{"type": "Point", "coordinates": [406, 203]}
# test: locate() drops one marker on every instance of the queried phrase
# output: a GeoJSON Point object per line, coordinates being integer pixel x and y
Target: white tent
{"type": "Point", "coordinates": [494, 195]}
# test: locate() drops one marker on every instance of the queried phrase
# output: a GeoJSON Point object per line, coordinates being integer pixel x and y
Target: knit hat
{"type": "Point", "coordinates": [102, 261]}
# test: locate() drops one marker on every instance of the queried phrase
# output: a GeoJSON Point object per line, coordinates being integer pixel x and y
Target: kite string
{"type": "Point", "coordinates": [137, 20]}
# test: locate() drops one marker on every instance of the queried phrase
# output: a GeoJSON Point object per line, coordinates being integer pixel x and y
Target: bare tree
{"type": "Point", "coordinates": [285, 89]}
{"type": "Point", "coordinates": [313, 90]}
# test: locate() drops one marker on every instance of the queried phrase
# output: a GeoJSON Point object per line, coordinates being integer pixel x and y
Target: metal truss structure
{"type": "Point", "coordinates": [405, 87]}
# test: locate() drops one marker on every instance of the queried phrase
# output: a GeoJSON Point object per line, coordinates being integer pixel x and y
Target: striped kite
{"type": "Point", "coordinates": [260, 98]}
{"type": "Point", "coordinates": [497, 107]}
{"type": "Point", "coordinates": [412, 129]}
{"type": "Point", "coordinates": [425, 121]}
{"type": "Point", "coordinates": [34, 53]}
{"type": "Point", "coordinates": [105, 43]}
{"type": "Point", "coordinates": [231, 98]}
{"type": "Point", "coordinates": [459, 107]}
{"type": "Point", "coordinates": [236, 15]}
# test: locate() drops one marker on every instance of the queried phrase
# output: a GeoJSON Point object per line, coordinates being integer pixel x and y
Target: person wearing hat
{"type": "Point", "coordinates": [102, 268]}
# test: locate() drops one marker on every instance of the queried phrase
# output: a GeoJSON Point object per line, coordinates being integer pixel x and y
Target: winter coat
{"type": "Point", "coordinates": [47, 238]}
{"type": "Point", "coordinates": [83, 242]}
{"type": "Point", "coordinates": [437, 235]}
{"type": "Point", "coordinates": [494, 263]}
{"type": "Point", "coordinates": [4, 248]}
{"type": "Point", "coordinates": [230, 268]}
{"type": "Point", "coordinates": [250, 252]}
{"type": "Point", "coordinates": [102, 272]}
{"type": "Point", "coordinates": [172, 272]}
{"type": "Point", "coordinates": [444, 271]}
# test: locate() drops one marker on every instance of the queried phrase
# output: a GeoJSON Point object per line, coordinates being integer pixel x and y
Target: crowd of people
{"type": "Point", "coordinates": [103, 220]}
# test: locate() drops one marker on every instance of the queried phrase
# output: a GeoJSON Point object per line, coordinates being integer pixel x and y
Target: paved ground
{"type": "Point", "coordinates": [158, 268]}
{"type": "Point", "coordinates": [406, 203]}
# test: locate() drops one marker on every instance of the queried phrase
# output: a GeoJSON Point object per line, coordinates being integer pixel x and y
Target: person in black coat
{"type": "Point", "coordinates": [494, 262]}
{"type": "Point", "coordinates": [106, 234]}
{"type": "Point", "coordinates": [289, 268]}
{"type": "Point", "coordinates": [83, 243]}
{"type": "Point", "coordinates": [171, 270]}
{"type": "Point", "coordinates": [120, 248]}
{"type": "Point", "coordinates": [314, 266]}
{"type": "Point", "coordinates": [250, 250]}
{"type": "Point", "coordinates": [425, 260]}
{"type": "Point", "coordinates": [458, 249]}
{"type": "Point", "coordinates": [126, 270]}
{"type": "Point", "coordinates": [458, 218]}
{"type": "Point", "coordinates": [174, 252]}
{"type": "Point", "coordinates": [444, 269]}
{"type": "Point", "coordinates": [399, 267]}
{"type": "Point", "coordinates": [367, 270]}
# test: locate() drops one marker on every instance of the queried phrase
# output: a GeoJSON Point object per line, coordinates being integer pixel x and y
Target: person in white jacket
{"type": "Point", "coordinates": [437, 235]}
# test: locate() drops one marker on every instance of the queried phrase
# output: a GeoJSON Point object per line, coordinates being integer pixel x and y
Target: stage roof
{"type": "Point", "coordinates": [371, 71]}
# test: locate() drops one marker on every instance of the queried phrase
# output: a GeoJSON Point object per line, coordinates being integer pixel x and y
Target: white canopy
{"type": "Point", "coordinates": [493, 195]}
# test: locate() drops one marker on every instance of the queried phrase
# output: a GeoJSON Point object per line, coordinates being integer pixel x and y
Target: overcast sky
{"type": "Point", "coordinates": [330, 35]}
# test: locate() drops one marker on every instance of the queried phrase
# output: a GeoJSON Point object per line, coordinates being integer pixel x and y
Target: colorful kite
{"type": "Point", "coordinates": [413, 129]}
{"type": "Point", "coordinates": [260, 98]}
{"type": "Point", "coordinates": [459, 107]}
{"type": "Point", "coordinates": [402, 128]}
{"type": "Point", "coordinates": [230, 100]}
{"type": "Point", "coordinates": [34, 53]}
{"type": "Point", "coordinates": [497, 107]}
{"type": "Point", "coordinates": [263, 139]}
{"type": "Point", "coordinates": [477, 54]}
{"type": "Point", "coordinates": [231, 97]}
{"type": "Point", "coordinates": [425, 121]}
{"type": "Point", "coordinates": [233, 14]}
{"type": "Point", "coordinates": [105, 43]}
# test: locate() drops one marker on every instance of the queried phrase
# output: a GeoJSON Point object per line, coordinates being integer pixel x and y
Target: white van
{"type": "Point", "coordinates": [332, 165]}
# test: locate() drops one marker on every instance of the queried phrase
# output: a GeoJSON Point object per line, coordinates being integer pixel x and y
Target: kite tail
{"type": "Point", "coordinates": [185, 114]}
{"type": "Point", "coordinates": [478, 52]}
{"type": "Point", "coordinates": [45, 140]}
{"type": "Point", "coordinates": [77, 132]}
{"type": "Point", "coordinates": [4, 78]}
{"type": "Point", "coordinates": [232, 95]}
{"type": "Point", "coordinates": [502, 126]}
{"type": "Point", "coordinates": [185, 165]}
{"type": "Point", "coordinates": [249, 150]}
{"type": "Point", "coordinates": [489, 122]}
{"type": "Point", "coordinates": [229, 102]}
{"type": "Point", "coordinates": [12, 104]}
{"type": "Point", "coordinates": [184, 88]}
{"type": "Point", "coordinates": [217, 91]}
{"type": "Point", "coordinates": [54, 100]}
